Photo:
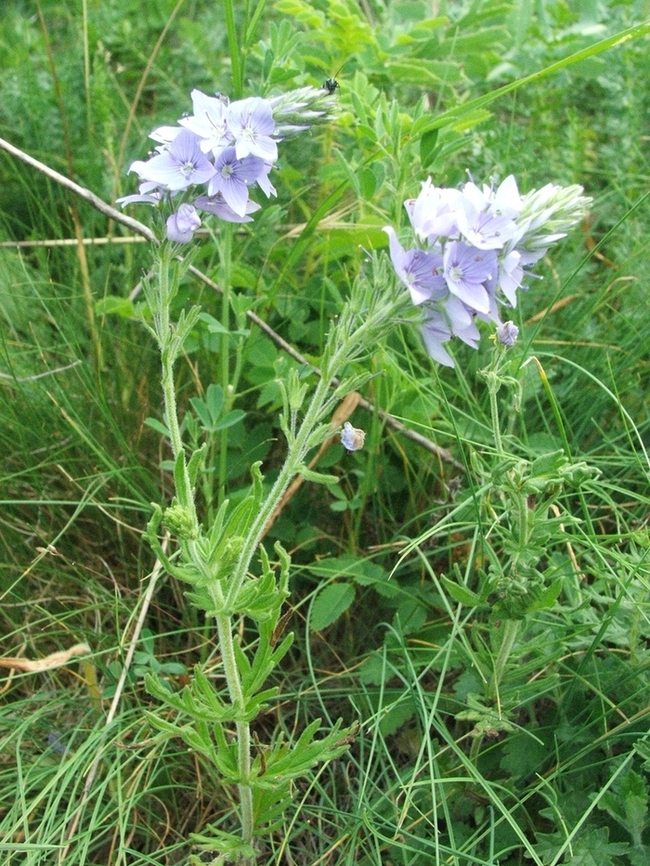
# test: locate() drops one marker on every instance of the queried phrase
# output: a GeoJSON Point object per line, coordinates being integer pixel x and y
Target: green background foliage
{"type": "Point", "coordinates": [394, 601]}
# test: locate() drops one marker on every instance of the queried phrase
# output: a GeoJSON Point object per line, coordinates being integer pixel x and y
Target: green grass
{"type": "Point", "coordinates": [546, 764]}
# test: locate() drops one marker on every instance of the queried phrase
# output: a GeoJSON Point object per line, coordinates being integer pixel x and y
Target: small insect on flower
{"type": "Point", "coordinates": [352, 438]}
{"type": "Point", "coordinates": [331, 86]}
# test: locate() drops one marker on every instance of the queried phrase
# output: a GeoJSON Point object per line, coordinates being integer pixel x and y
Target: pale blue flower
{"type": "Point", "coordinates": [486, 230]}
{"type": "Point", "coordinates": [466, 270]}
{"type": "Point", "coordinates": [420, 271]}
{"type": "Point", "coordinates": [216, 205]}
{"type": "Point", "coordinates": [232, 177]}
{"type": "Point", "coordinates": [507, 334]}
{"type": "Point", "coordinates": [485, 237]}
{"type": "Point", "coordinates": [262, 180]}
{"type": "Point", "coordinates": [149, 193]}
{"type": "Point", "coordinates": [460, 317]}
{"type": "Point", "coordinates": [435, 332]}
{"type": "Point", "coordinates": [180, 165]}
{"type": "Point", "coordinates": [210, 122]}
{"type": "Point", "coordinates": [252, 125]}
{"type": "Point", "coordinates": [182, 224]}
{"type": "Point", "coordinates": [433, 213]}
{"type": "Point", "coordinates": [352, 438]}
{"type": "Point", "coordinates": [165, 134]}
{"type": "Point", "coordinates": [511, 273]}
{"type": "Point", "coordinates": [226, 148]}
{"type": "Point", "coordinates": [502, 201]}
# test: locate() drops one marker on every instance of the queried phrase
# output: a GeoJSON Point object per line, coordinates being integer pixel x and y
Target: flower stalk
{"type": "Point", "coordinates": [217, 559]}
{"type": "Point", "coordinates": [225, 249]}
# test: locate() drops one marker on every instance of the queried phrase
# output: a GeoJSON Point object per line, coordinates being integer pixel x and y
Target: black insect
{"type": "Point", "coordinates": [331, 85]}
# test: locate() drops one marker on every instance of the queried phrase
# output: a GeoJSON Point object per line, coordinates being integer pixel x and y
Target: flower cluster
{"type": "Point", "coordinates": [475, 246]}
{"type": "Point", "coordinates": [228, 148]}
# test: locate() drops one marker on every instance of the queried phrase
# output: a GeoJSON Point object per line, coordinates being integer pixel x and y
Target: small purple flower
{"type": "Point", "coordinates": [440, 327]}
{"type": "Point", "coordinates": [492, 315]}
{"type": "Point", "coordinates": [180, 165]}
{"type": "Point", "coordinates": [506, 198]}
{"type": "Point", "coordinates": [352, 438]}
{"type": "Point", "coordinates": [507, 334]}
{"type": "Point", "coordinates": [469, 335]}
{"type": "Point", "coordinates": [511, 273]}
{"type": "Point", "coordinates": [226, 148]}
{"type": "Point", "coordinates": [420, 271]}
{"type": "Point", "coordinates": [165, 134]}
{"type": "Point", "coordinates": [460, 318]}
{"type": "Point", "coordinates": [262, 180]}
{"type": "Point", "coordinates": [233, 176]}
{"type": "Point", "coordinates": [216, 205]}
{"type": "Point", "coordinates": [435, 332]}
{"type": "Point", "coordinates": [149, 193]}
{"type": "Point", "coordinates": [485, 230]}
{"type": "Point", "coordinates": [504, 201]}
{"type": "Point", "coordinates": [251, 123]}
{"type": "Point", "coordinates": [182, 224]}
{"type": "Point", "coordinates": [466, 270]}
{"type": "Point", "coordinates": [486, 238]}
{"type": "Point", "coordinates": [433, 212]}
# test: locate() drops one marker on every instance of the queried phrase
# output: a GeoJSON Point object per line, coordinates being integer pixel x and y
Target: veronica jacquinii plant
{"type": "Point", "coordinates": [209, 164]}
{"type": "Point", "coordinates": [475, 246]}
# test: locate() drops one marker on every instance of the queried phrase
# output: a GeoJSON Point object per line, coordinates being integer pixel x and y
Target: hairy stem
{"type": "Point", "coordinates": [167, 286]}
{"type": "Point", "coordinates": [236, 692]}
{"type": "Point", "coordinates": [161, 313]}
{"type": "Point", "coordinates": [224, 351]}
{"type": "Point", "coordinates": [510, 632]}
{"type": "Point", "coordinates": [298, 449]}
{"type": "Point", "coordinates": [494, 414]}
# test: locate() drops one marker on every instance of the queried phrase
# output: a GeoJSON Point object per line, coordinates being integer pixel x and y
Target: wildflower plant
{"type": "Point", "coordinates": [503, 666]}
{"type": "Point", "coordinates": [474, 248]}
{"type": "Point", "coordinates": [209, 164]}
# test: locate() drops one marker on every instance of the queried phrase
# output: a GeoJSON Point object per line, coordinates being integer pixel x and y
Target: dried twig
{"type": "Point", "coordinates": [39, 375]}
{"type": "Point", "coordinates": [82, 192]}
{"type": "Point", "coordinates": [47, 663]}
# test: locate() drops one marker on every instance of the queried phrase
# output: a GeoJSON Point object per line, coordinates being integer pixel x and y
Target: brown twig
{"type": "Point", "coordinates": [82, 192]}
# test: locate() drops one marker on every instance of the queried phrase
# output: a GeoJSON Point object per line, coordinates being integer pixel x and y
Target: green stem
{"type": "Point", "coordinates": [475, 749]}
{"type": "Point", "coordinates": [165, 331]}
{"type": "Point", "coordinates": [340, 350]}
{"type": "Point", "coordinates": [493, 388]}
{"type": "Point", "coordinates": [234, 48]}
{"type": "Point", "coordinates": [236, 692]}
{"type": "Point", "coordinates": [167, 287]}
{"type": "Point", "coordinates": [510, 632]}
{"type": "Point", "coordinates": [297, 451]}
{"type": "Point", "coordinates": [224, 350]}
{"type": "Point", "coordinates": [359, 324]}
